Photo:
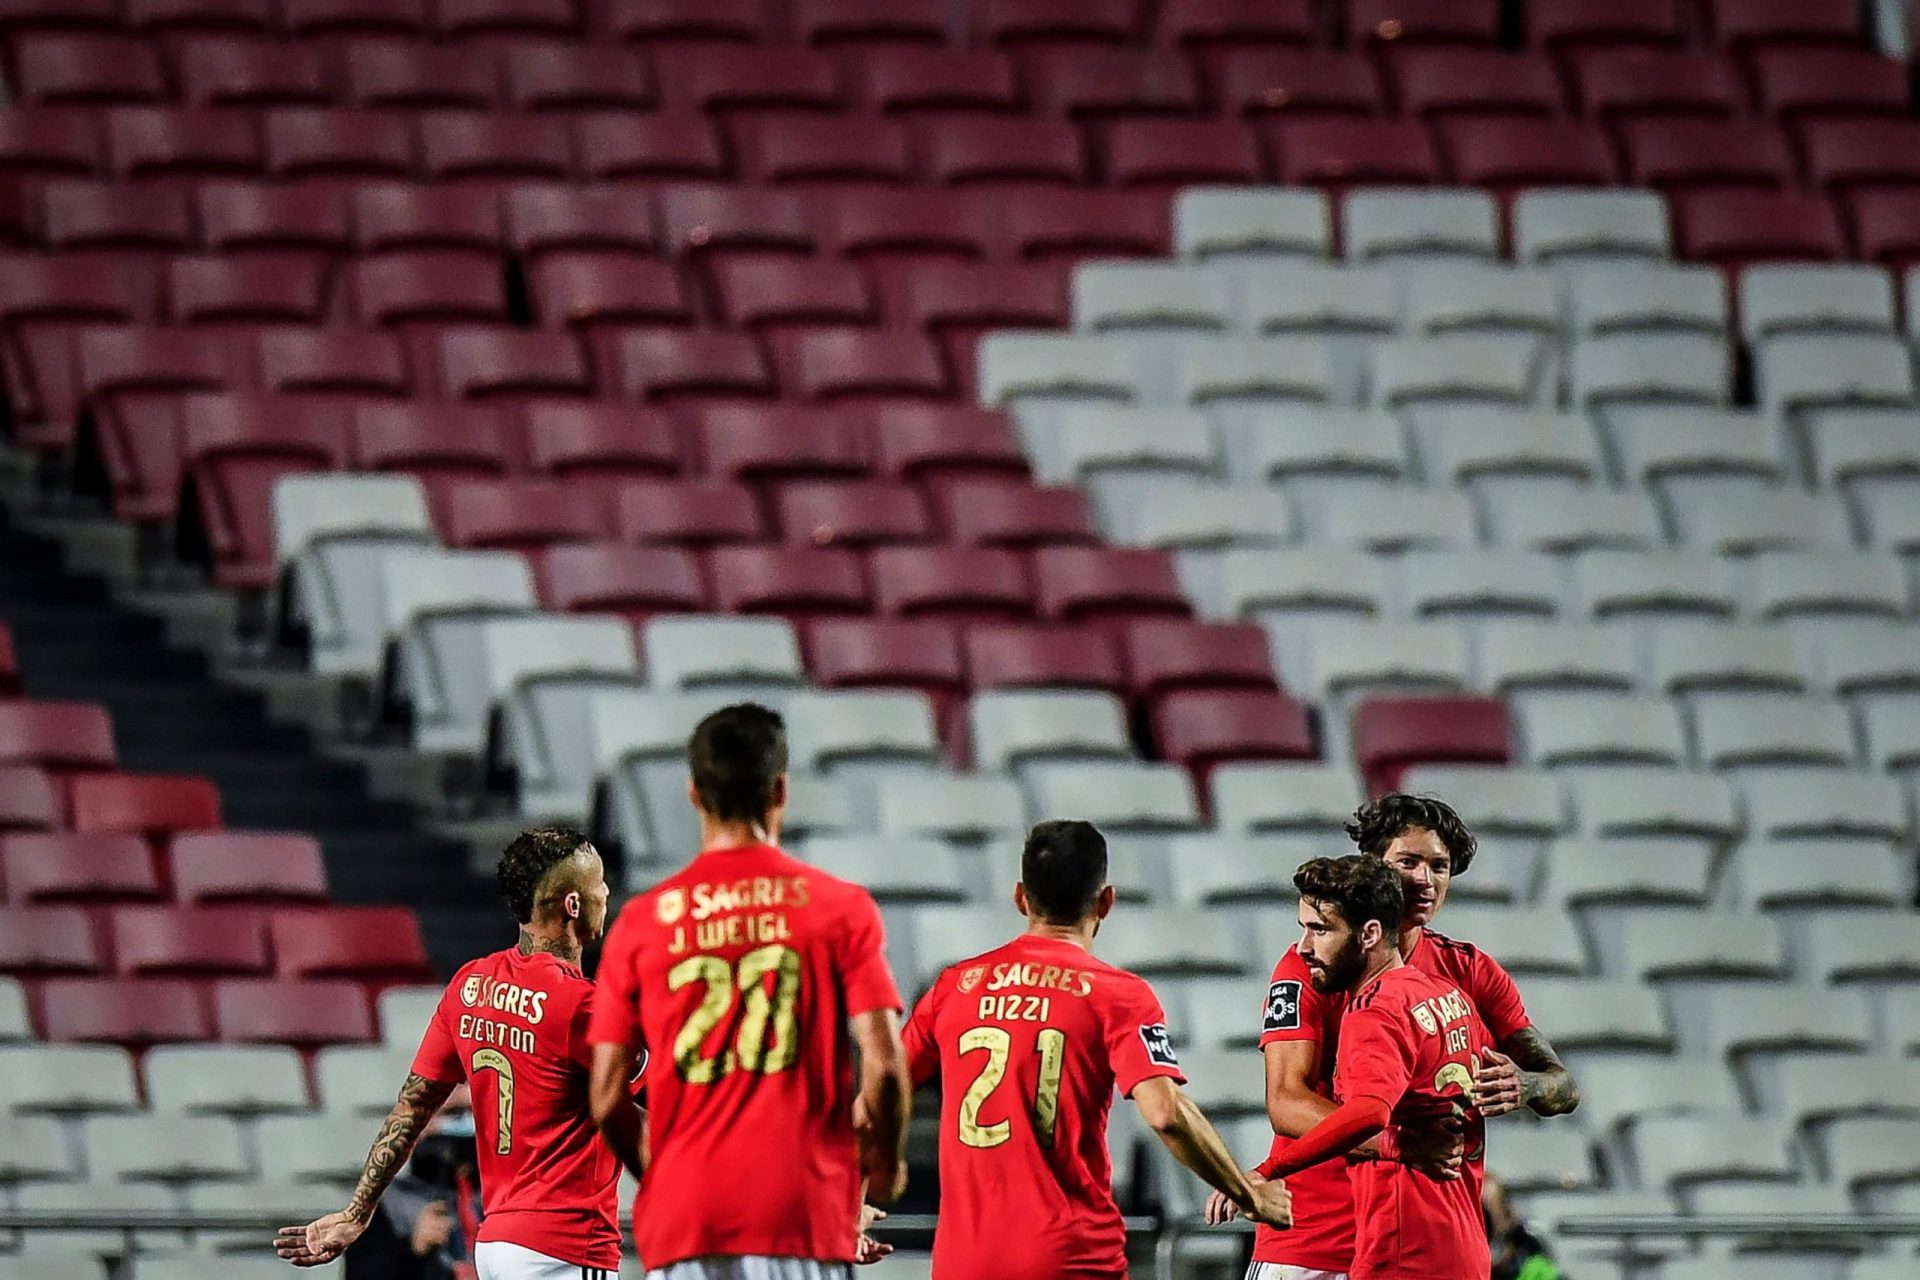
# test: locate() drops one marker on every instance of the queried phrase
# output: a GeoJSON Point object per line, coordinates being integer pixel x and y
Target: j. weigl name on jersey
{"type": "Point", "coordinates": [507, 998]}
{"type": "Point", "coordinates": [746, 912]}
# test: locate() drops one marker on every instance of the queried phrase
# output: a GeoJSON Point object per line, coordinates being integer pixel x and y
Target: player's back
{"type": "Point", "coordinates": [745, 968]}
{"type": "Point", "coordinates": [1030, 1040]}
{"type": "Point", "coordinates": [515, 1027]}
{"type": "Point", "coordinates": [1411, 1039]}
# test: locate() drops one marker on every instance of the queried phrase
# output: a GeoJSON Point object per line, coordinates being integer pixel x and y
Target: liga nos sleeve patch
{"type": "Point", "coordinates": [1283, 1007]}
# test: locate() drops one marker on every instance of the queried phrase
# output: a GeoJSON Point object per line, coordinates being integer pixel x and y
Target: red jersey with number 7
{"type": "Point", "coordinates": [1030, 1041]}
{"type": "Point", "coordinates": [739, 975]}
{"type": "Point", "coordinates": [514, 1027]}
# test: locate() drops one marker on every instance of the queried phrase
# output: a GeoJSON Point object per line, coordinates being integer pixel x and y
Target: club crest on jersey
{"type": "Point", "coordinates": [470, 990]}
{"type": "Point", "coordinates": [1159, 1045]}
{"type": "Point", "coordinates": [971, 978]}
{"type": "Point", "coordinates": [1283, 1007]}
{"type": "Point", "coordinates": [670, 906]}
{"type": "Point", "coordinates": [1424, 1016]}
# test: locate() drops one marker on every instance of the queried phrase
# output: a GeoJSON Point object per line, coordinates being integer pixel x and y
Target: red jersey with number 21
{"type": "Point", "coordinates": [1410, 1040]}
{"type": "Point", "coordinates": [515, 1028]}
{"type": "Point", "coordinates": [1030, 1040]}
{"type": "Point", "coordinates": [739, 975]}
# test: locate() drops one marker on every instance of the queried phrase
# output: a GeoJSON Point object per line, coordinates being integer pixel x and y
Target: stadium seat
{"type": "Point", "coordinates": [518, 515]}
{"type": "Point", "coordinates": [1580, 226]}
{"type": "Point", "coordinates": [145, 804]}
{"type": "Point", "coordinates": [922, 655]}
{"type": "Point", "coordinates": [375, 943]}
{"type": "Point", "coordinates": [600, 443]}
{"type": "Point", "coordinates": [1087, 584]}
{"type": "Point", "coordinates": [171, 942]}
{"type": "Point", "coordinates": [1119, 797]}
{"type": "Point", "coordinates": [58, 1080]}
{"type": "Point", "coordinates": [226, 1080]}
{"type": "Point", "coordinates": [1504, 801]}
{"type": "Point", "coordinates": [1012, 657]}
{"type": "Point", "coordinates": [1392, 734]}
{"type": "Point", "coordinates": [303, 1014]}
{"type": "Point", "coordinates": [1576, 728]}
{"type": "Point", "coordinates": [796, 581]}
{"type": "Point", "coordinates": [1281, 798]}
{"type": "Point", "coordinates": [1015, 728]}
{"type": "Point", "coordinates": [1437, 83]}
{"type": "Point", "coordinates": [30, 799]}
{"type": "Point", "coordinates": [892, 869]}
{"type": "Point", "coordinates": [1422, 21]}
{"type": "Point", "coordinates": [1205, 728]}
{"type": "Point", "coordinates": [562, 78]}
{"type": "Point", "coordinates": [134, 1012]}
{"type": "Point", "coordinates": [211, 868]}
{"type": "Point", "coordinates": [81, 869]}
{"type": "Point", "coordinates": [1582, 873]}
{"type": "Point", "coordinates": [35, 1149]}
{"type": "Point", "coordinates": [636, 582]}
{"type": "Point", "coordinates": [1857, 154]}
{"type": "Point", "coordinates": [1338, 151]}
{"type": "Point", "coordinates": [1731, 228]}
{"type": "Point", "coordinates": [972, 806]}
{"type": "Point", "coordinates": [1384, 224]}
{"type": "Point", "coordinates": [660, 146]}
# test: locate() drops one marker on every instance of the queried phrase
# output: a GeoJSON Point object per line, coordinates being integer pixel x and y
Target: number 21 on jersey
{"type": "Point", "coordinates": [1051, 1045]}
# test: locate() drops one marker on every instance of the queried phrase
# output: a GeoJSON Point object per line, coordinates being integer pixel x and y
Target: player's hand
{"type": "Point", "coordinates": [319, 1242]}
{"type": "Point", "coordinates": [1438, 1150]}
{"type": "Point", "coordinates": [867, 1250]}
{"type": "Point", "coordinates": [1272, 1203]}
{"type": "Point", "coordinates": [432, 1229]}
{"type": "Point", "coordinates": [1220, 1209]}
{"type": "Point", "coordinates": [1496, 1084]}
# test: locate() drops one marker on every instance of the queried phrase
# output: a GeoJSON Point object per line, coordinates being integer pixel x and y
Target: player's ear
{"type": "Point", "coordinates": [1104, 903]}
{"type": "Point", "coordinates": [693, 795]}
{"type": "Point", "coordinates": [1370, 934]}
{"type": "Point", "coordinates": [1020, 898]}
{"type": "Point", "coordinates": [571, 905]}
{"type": "Point", "coordinates": [780, 792]}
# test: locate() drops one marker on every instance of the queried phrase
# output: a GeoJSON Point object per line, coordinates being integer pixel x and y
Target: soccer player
{"type": "Point", "coordinates": [1425, 841]}
{"type": "Point", "coordinates": [513, 1025]}
{"type": "Point", "coordinates": [1031, 1039]}
{"type": "Point", "coordinates": [742, 972]}
{"type": "Point", "coordinates": [1408, 1046]}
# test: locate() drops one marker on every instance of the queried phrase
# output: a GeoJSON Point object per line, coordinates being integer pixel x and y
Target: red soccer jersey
{"type": "Point", "coordinates": [1410, 1039]}
{"type": "Point", "coordinates": [740, 973]}
{"type": "Point", "coordinates": [1031, 1040]}
{"type": "Point", "coordinates": [515, 1028]}
{"type": "Point", "coordinates": [1321, 1238]}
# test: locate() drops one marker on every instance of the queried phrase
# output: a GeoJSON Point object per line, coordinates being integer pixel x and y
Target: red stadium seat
{"type": "Point", "coordinates": [233, 451]}
{"type": "Point", "coordinates": [325, 18]}
{"type": "Point", "coordinates": [993, 149]}
{"type": "Point", "coordinates": [727, 77]}
{"type": "Point", "coordinates": [1391, 22]}
{"type": "Point", "coordinates": [457, 145]}
{"type": "Point", "coordinates": [659, 146]}
{"type": "Point", "coordinates": [420, 76]}
{"type": "Point", "coordinates": [1080, 224]}
{"type": "Point", "coordinates": [1164, 656]}
{"type": "Point", "coordinates": [180, 16]}
{"type": "Point", "coordinates": [1029, 23]}
{"type": "Point", "coordinates": [1168, 153]}
{"type": "Point", "coordinates": [49, 141]}
{"type": "Point", "coordinates": [851, 363]}
{"type": "Point", "coordinates": [1616, 84]}
{"type": "Point", "coordinates": [1356, 152]}
{"type": "Point", "coordinates": [438, 286]}
{"type": "Point", "coordinates": [364, 362]}
{"type": "Point", "coordinates": [43, 301]}
{"type": "Point", "coordinates": [840, 23]}
{"type": "Point", "coordinates": [1013, 657]}
{"type": "Point", "coordinates": [847, 653]}
{"type": "Point", "coordinates": [1104, 83]}
{"type": "Point", "coordinates": [83, 870]}
{"type": "Point", "coordinates": [709, 219]}
{"type": "Point", "coordinates": [1713, 155]}
{"type": "Point", "coordinates": [602, 293]}
{"type": "Point", "coordinates": [851, 513]}
{"type": "Point", "coordinates": [306, 1015]}
{"type": "Point", "coordinates": [1390, 735]}
{"type": "Point", "coordinates": [242, 867]}
{"type": "Point", "coordinates": [932, 443]}
{"type": "Point", "coordinates": [279, 288]}
{"type": "Point", "coordinates": [1574, 25]}
{"type": "Point", "coordinates": [977, 296]}
{"type": "Point", "coordinates": [1732, 228]}
{"type": "Point", "coordinates": [780, 291]}
{"type": "Point", "coordinates": [136, 1012]}
{"type": "Point", "coordinates": [247, 73]}
{"type": "Point", "coordinates": [56, 735]}
{"type": "Point", "coordinates": [373, 943]}
{"type": "Point", "coordinates": [1509, 154]}
{"type": "Point", "coordinates": [146, 142]}
{"type": "Point", "coordinates": [392, 216]}
{"type": "Point", "coordinates": [29, 799]}
{"type": "Point", "coordinates": [236, 216]}
{"type": "Point", "coordinates": [682, 514]}
{"type": "Point", "coordinates": [998, 514]}
{"type": "Point", "coordinates": [960, 584]}
{"type": "Point", "coordinates": [1886, 225]}
{"type": "Point", "coordinates": [798, 582]}
{"type": "Point", "coordinates": [610, 577]}
{"type": "Point", "coordinates": [98, 215]}
{"type": "Point", "coordinates": [48, 940]}
{"type": "Point", "coordinates": [1745, 24]}
{"type": "Point", "coordinates": [128, 360]}
{"type": "Point", "coordinates": [666, 365]}
{"type": "Point", "coordinates": [601, 442]}
{"type": "Point", "coordinates": [678, 22]}
{"type": "Point", "coordinates": [1107, 584]}
{"type": "Point", "coordinates": [137, 437]}
{"type": "Point", "coordinates": [1201, 729]}
{"type": "Point", "coordinates": [825, 149]}
{"type": "Point", "coordinates": [519, 515]}
{"type": "Point", "coordinates": [1432, 83]}
{"type": "Point", "coordinates": [150, 804]}
{"type": "Point", "coordinates": [556, 77]}
{"type": "Point", "coordinates": [485, 363]}
{"type": "Point", "coordinates": [1797, 84]}
{"type": "Point", "coordinates": [187, 942]}
{"type": "Point", "coordinates": [436, 441]}
{"type": "Point", "coordinates": [520, 19]}
{"type": "Point", "coordinates": [1852, 155]}
{"type": "Point", "coordinates": [782, 442]}
{"type": "Point", "coordinates": [1298, 82]}
{"type": "Point", "coordinates": [311, 142]}
{"type": "Point", "coordinates": [1233, 24]}
{"type": "Point", "coordinates": [913, 80]}
{"type": "Point", "coordinates": [58, 15]}
{"type": "Point", "coordinates": [544, 220]}
{"type": "Point", "coordinates": [87, 70]}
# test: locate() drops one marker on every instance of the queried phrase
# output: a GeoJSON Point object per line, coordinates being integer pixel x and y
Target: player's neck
{"type": "Point", "coordinates": [1410, 938]}
{"type": "Point", "coordinates": [717, 837]}
{"type": "Point", "coordinates": [1385, 960]}
{"type": "Point", "coordinates": [1080, 935]}
{"type": "Point", "coordinates": [564, 945]}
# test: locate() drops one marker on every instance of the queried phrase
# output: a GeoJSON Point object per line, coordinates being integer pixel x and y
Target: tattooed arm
{"type": "Point", "coordinates": [324, 1239]}
{"type": "Point", "coordinates": [1525, 1072]}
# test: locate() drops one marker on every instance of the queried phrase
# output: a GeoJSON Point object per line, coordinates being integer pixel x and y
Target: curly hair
{"type": "Point", "coordinates": [1376, 825]}
{"type": "Point", "coordinates": [1361, 888]}
{"type": "Point", "coordinates": [527, 861]}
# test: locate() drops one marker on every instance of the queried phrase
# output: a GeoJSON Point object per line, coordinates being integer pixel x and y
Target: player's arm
{"type": "Point", "coordinates": [324, 1239]}
{"type": "Point", "coordinates": [1348, 1126]}
{"type": "Point", "coordinates": [1187, 1133]}
{"type": "Point", "coordinates": [884, 1103]}
{"type": "Point", "coordinates": [1524, 1072]}
{"type": "Point", "coordinates": [610, 1098]}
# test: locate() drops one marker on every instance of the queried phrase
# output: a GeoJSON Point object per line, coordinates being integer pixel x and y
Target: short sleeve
{"type": "Point", "coordinates": [1139, 1046]}
{"type": "Point", "coordinates": [1293, 1009]}
{"type": "Point", "coordinates": [1497, 998]}
{"type": "Point", "coordinates": [863, 959]}
{"type": "Point", "coordinates": [438, 1057]}
{"type": "Point", "coordinates": [923, 1049]}
{"type": "Point", "coordinates": [615, 1016]}
{"type": "Point", "coordinates": [1376, 1054]}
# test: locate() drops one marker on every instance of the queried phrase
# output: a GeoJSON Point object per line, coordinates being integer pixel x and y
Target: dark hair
{"type": "Point", "coordinates": [528, 860]}
{"type": "Point", "coordinates": [1361, 888]}
{"type": "Point", "coordinates": [1064, 867]}
{"type": "Point", "coordinates": [1379, 823]}
{"type": "Point", "coordinates": [735, 756]}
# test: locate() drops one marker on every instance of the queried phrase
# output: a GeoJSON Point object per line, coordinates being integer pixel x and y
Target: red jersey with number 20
{"type": "Point", "coordinates": [739, 974]}
{"type": "Point", "coordinates": [515, 1028]}
{"type": "Point", "coordinates": [1031, 1040]}
{"type": "Point", "coordinates": [1410, 1040]}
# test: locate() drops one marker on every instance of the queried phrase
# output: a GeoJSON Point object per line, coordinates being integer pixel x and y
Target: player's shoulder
{"type": "Point", "coordinates": [1291, 967]}
{"type": "Point", "coordinates": [1395, 990]}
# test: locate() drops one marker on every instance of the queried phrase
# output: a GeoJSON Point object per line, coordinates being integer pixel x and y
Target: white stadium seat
{"type": "Point", "coordinates": [958, 806]}
{"type": "Point", "coordinates": [67, 1078]}
{"type": "Point", "coordinates": [1460, 368]}
{"type": "Point", "coordinates": [1057, 366]}
{"type": "Point", "coordinates": [1778, 298]}
{"type": "Point", "coordinates": [1229, 223]}
{"type": "Point", "coordinates": [226, 1079]}
{"type": "Point", "coordinates": [1581, 728]}
{"type": "Point", "coordinates": [1413, 222]}
{"type": "Point", "coordinates": [1628, 369]}
{"type": "Point", "coordinates": [1795, 373]}
{"type": "Point", "coordinates": [1606, 300]}
{"type": "Point", "coordinates": [164, 1148]}
{"type": "Point", "coordinates": [1476, 298]}
{"type": "Point", "coordinates": [1577, 226]}
{"type": "Point", "coordinates": [1654, 802]}
{"type": "Point", "coordinates": [1012, 728]}
{"type": "Point", "coordinates": [1271, 798]}
{"type": "Point", "coordinates": [1149, 295]}
{"type": "Point", "coordinates": [1317, 298]}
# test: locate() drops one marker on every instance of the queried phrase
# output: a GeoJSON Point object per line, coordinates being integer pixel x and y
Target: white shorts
{"type": "Point", "coordinates": [498, 1260]}
{"type": "Point", "coordinates": [1280, 1271]}
{"type": "Point", "coordinates": [753, 1269]}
